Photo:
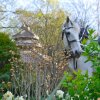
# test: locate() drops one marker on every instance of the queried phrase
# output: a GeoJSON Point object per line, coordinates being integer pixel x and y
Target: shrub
{"type": "Point", "coordinates": [8, 51]}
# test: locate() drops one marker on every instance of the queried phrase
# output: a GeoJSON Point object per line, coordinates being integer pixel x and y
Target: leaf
{"type": "Point", "coordinates": [71, 91]}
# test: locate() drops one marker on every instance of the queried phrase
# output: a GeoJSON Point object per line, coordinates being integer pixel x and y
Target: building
{"type": "Point", "coordinates": [27, 42]}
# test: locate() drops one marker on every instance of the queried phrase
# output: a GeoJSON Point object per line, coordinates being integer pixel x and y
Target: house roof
{"type": "Point", "coordinates": [26, 34]}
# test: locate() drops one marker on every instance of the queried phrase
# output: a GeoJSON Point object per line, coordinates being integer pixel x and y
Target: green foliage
{"type": "Point", "coordinates": [83, 87]}
{"type": "Point", "coordinates": [8, 51]}
{"type": "Point", "coordinates": [7, 46]}
{"type": "Point", "coordinates": [92, 51]}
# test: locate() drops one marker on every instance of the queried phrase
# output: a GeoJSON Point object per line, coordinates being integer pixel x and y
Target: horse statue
{"type": "Point", "coordinates": [72, 37]}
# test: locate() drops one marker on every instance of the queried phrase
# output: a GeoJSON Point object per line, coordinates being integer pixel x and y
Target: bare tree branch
{"type": "Point", "coordinates": [9, 27]}
{"type": "Point", "coordinates": [8, 11]}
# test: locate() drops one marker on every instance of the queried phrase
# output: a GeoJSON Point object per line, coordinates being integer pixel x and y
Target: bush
{"type": "Point", "coordinates": [81, 87]}
{"type": "Point", "coordinates": [8, 51]}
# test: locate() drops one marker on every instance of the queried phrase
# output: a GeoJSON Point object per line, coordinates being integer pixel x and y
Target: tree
{"type": "Point", "coordinates": [48, 26]}
{"type": "Point", "coordinates": [81, 11]}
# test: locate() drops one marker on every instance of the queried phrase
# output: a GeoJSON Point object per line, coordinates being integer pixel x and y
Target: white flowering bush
{"type": "Point", "coordinates": [9, 96]}
{"type": "Point", "coordinates": [19, 98]}
{"type": "Point", "coordinates": [59, 94]}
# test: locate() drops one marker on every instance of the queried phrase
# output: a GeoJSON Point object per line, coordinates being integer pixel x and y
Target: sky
{"type": "Point", "coordinates": [64, 4]}
{"type": "Point", "coordinates": [27, 3]}
{"type": "Point", "coordinates": [24, 3]}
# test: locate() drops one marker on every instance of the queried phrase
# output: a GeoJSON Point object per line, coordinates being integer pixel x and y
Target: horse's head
{"type": "Point", "coordinates": [70, 36]}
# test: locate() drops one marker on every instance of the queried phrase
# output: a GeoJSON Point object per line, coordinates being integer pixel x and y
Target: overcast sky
{"type": "Point", "coordinates": [28, 3]}
{"type": "Point", "coordinates": [64, 4]}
